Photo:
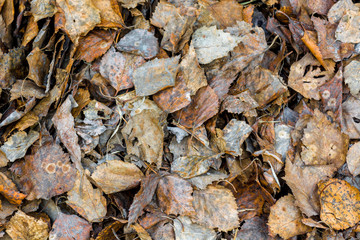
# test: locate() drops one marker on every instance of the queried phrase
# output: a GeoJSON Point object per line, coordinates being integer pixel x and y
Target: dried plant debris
{"type": "Point", "coordinates": [179, 119]}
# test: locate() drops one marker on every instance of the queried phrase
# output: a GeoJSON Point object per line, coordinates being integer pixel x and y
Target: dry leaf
{"type": "Point", "coordinates": [80, 17]}
{"type": "Point", "coordinates": [12, 66]}
{"type": "Point", "coordinates": [348, 29]}
{"type": "Point", "coordinates": [140, 42]}
{"type": "Point", "coordinates": [110, 14]}
{"type": "Point", "coordinates": [87, 201]}
{"type": "Point", "coordinates": [130, 3]}
{"type": "Point", "coordinates": [339, 204]}
{"type": "Point", "coordinates": [9, 190]}
{"type": "Point", "coordinates": [253, 229]}
{"type": "Point", "coordinates": [351, 117]}
{"type": "Point", "coordinates": [155, 75]}
{"type": "Point", "coordinates": [338, 10]}
{"type": "Point", "coordinates": [22, 226]}
{"type": "Point", "coordinates": [16, 146]}
{"type": "Point", "coordinates": [144, 137]}
{"type": "Point", "coordinates": [115, 176]}
{"type": "Point", "coordinates": [227, 13]}
{"type": "Point", "coordinates": [202, 181]}
{"type": "Point", "coordinates": [240, 103]}
{"type": "Point", "coordinates": [285, 218]}
{"type": "Point", "coordinates": [26, 89]}
{"type": "Point", "coordinates": [108, 231]}
{"type": "Point", "coordinates": [47, 173]}
{"type": "Point", "coordinates": [31, 31]}
{"type": "Point", "coordinates": [175, 196]}
{"type": "Point", "coordinates": [216, 208]}
{"type": "Point", "coordinates": [352, 77]}
{"type": "Point", "coordinates": [204, 105]}
{"type": "Point", "coordinates": [353, 159]}
{"type": "Point", "coordinates": [141, 232]}
{"type": "Point", "coordinates": [41, 9]}
{"type": "Point", "coordinates": [185, 229]}
{"type": "Point", "coordinates": [210, 44]}
{"type": "Point", "coordinates": [68, 227]}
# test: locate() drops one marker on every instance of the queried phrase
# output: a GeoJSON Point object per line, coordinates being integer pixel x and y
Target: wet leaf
{"type": "Point", "coordinates": [285, 218]}
{"type": "Point", "coordinates": [22, 226]}
{"type": "Point", "coordinates": [16, 146]}
{"type": "Point", "coordinates": [175, 196]}
{"type": "Point", "coordinates": [210, 213]}
{"type": "Point", "coordinates": [339, 203]}
{"type": "Point", "coordinates": [86, 200]}
{"type": "Point", "coordinates": [69, 227]}
{"type": "Point", "coordinates": [141, 42]}
{"type": "Point", "coordinates": [185, 229]}
{"type": "Point", "coordinates": [115, 176]}
{"type": "Point", "coordinates": [155, 75]}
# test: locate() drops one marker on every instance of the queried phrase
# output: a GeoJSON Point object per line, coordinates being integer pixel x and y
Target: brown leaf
{"type": "Point", "coordinates": [175, 196]}
{"type": "Point", "coordinates": [9, 190]}
{"type": "Point", "coordinates": [353, 160]}
{"type": "Point", "coordinates": [155, 75]}
{"type": "Point", "coordinates": [22, 226]}
{"type": "Point", "coordinates": [31, 31]}
{"type": "Point", "coordinates": [118, 68]}
{"type": "Point", "coordinates": [352, 78]}
{"type": "Point", "coordinates": [321, 7]}
{"type": "Point", "coordinates": [110, 14]}
{"type": "Point", "coordinates": [144, 137]}
{"type": "Point", "coordinates": [254, 228]}
{"type": "Point", "coordinates": [202, 181]}
{"type": "Point", "coordinates": [216, 208]}
{"type": "Point", "coordinates": [16, 146]}
{"type": "Point", "coordinates": [351, 116]}
{"type": "Point", "coordinates": [64, 124]}
{"type": "Point", "coordinates": [26, 89]}
{"type": "Point", "coordinates": [41, 9]}
{"type": "Point", "coordinates": [108, 231]}
{"type": "Point", "coordinates": [12, 67]}
{"type": "Point", "coordinates": [204, 105]}
{"type": "Point", "coordinates": [87, 201]}
{"type": "Point", "coordinates": [185, 229]}
{"type": "Point", "coordinates": [143, 197]}
{"type": "Point", "coordinates": [38, 66]}
{"type": "Point", "coordinates": [348, 31]}
{"type": "Point", "coordinates": [47, 173]}
{"type": "Point", "coordinates": [140, 42]}
{"type": "Point", "coordinates": [240, 103]}
{"type": "Point", "coordinates": [131, 3]}
{"type": "Point", "coordinates": [311, 44]}
{"type": "Point", "coordinates": [80, 17]}
{"type": "Point", "coordinates": [227, 12]}
{"type": "Point", "coordinates": [285, 218]}
{"type": "Point", "coordinates": [339, 203]}
{"type": "Point", "coordinates": [68, 227]}
{"type": "Point", "coordinates": [94, 45]}
{"type": "Point", "coordinates": [115, 176]}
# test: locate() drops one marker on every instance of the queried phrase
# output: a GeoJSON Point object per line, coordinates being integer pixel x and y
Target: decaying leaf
{"type": "Point", "coordinates": [215, 207]}
{"type": "Point", "coordinates": [352, 77]}
{"type": "Point", "coordinates": [144, 137]}
{"type": "Point", "coordinates": [80, 17]}
{"type": "Point", "coordinates": [12, 66]}
{"type": "Point", "coordinates": [41, 9]}
{"type": "Point", "coordinates": [116, 175]}
{"type": "Point", "coordinates": [9, 190]}
{"type": "Point", "coordinates": [185, 229]}
{"type": "Point", "coordinates": [26, 89]}
{"type": "Point", "coordinates": [348, 29]}
{"type": "Point", "coordinates": [47, 173]}
{"type": "Point", "coordinates": [240, 103]}
{"type": "Point", "coordinates": [210, 44]}
{"type": "Point", "coordinates": [155, 75]}
{"type": "Point", "coordinates": [110, 14]}
{"type": "Point", "coordinates": [202, 181]}
{"type": "Point", "coordinates": [227, 13]}
{"type": "Point", "coordinates": [140, 42]}
{"type": "Point", "coordinates": [16, 146]}
{"type": "Point", "coordinates": [69, 227]}
{"type": "Point", "coordinates": [38, 66]}
{"type": "Point", "coordinates": [118, 68]}
{"type": "Point", "coordinates": [285, 218]}
{"type": "Point", "coordinates": [351, 117]}
{"type": "Point", "coordinates": [254, 228]}
{"type": "Point", "coordinates": [130, 3]}
{"type": "Point", "coordinates": [22, 226]}
{"type": "Point", "coordinates": [339, 203]}
{"type": "Point", "coordinates": [353, 159]}
{"type": "Point", "coordinates": [175, 196]}
{"type": "Point", "coordinates": [191, 166]}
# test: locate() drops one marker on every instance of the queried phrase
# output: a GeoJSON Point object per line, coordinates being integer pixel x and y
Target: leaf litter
{"type": "Point", "coordinates": [179, 119]}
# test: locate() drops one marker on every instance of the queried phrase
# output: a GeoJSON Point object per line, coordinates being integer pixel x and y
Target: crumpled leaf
{"type": "Point", "coordinates": [339, 203]}
{"type": "Point", "coordinates": [64, 124]}
{"type": "Point", "coordinates": [240, 103]}
{"type": "Point", "coordinates": [143, 197]}
{"type": "Point", "coordinates": [41, 9]}
{"type": "Point", "coordinates": [352, 77]}
{"type": "Point", "coordinates": [285, 218]}
{"type": "Point", "coordinates": [175, 196]}
{"type": "Point", "coordinates": [155, 75]}
{"type": "Point", "coordinates": [202, 181]}
{"type": "Point", "coordinates": [31, 31]}
{"type": "Point", "coordinates": [191, 166]}
{"type": "Point", "coordinates": [17, 114]}
{"type": "Point", "coordinates": [87, 201]}
{"type": "Point", "coordinates": [348, 29]}
{"type": "Point", "coordinates": [115, 176]}
{"type": "Point", "coordinates": [16, 146]}
{"type": "Point", "coordinates": [307, 82]}
{"type": "Point", "coordinates": [94, 44]}
{"type": "Point", "coordinates": [47, 173]}
{"type": "Point", "coordinates": [210, 44]}
{"type": "Point", "coordinates": [26, 89]}
{"type": "Point", "coordinates": [338, 10]}
{"type": "Point", "coordinates": [130, 3]}
{"type": "Point", "coordinates": [118, 68]}
{"type": "Point", "coordinates": [232, 136]}
{"type": "Point", "coordinates": [12, 66]}
{"type": "Point", "coordinates": [110, 14]}
{"type": "Point", "coordinates": [185, 229]}
{"type": "Point", "coordinates": [108, 231]}
{"type": "Point", "coordinates": [353, 159]}
{"type": "Point", "coordinates": [204, 105]}
{"type": "Point", "coordinates": [227, 13]}
{"type": "Point", "coordinates": [22, 226]}
{"type": "Point", "coordinates": [140, 42]}
{"type": "Point", "coordinates": [144, 137]}
{"type": "Point", "coordinates": [9, 190]}
{"type": "Point", "coordinates": [68, 227]}
{"type": "Point", "coordinates": [81, 16]}
{"type": "Point", "coordinates": [216, 208]}
{"type": "Point", "coordinates": [38, 66]}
